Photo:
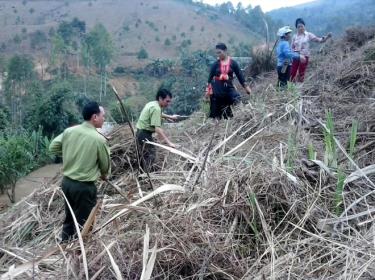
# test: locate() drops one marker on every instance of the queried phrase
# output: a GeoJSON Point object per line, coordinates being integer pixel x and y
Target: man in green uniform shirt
{"type": "Point", "coordinates": [149, 122]}
{"type": "Point", "coordinates": [86, 157]}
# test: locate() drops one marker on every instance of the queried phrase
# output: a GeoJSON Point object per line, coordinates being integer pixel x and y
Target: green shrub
{"type": "Point", "coordinates": [119, 70]}
{"type": "Point", "coordinates": [20, 152]}
{"type": "Point", "coordinates": [167, 42]}
{"type": "Point", "coordinates": [142, 54]}
{"type": "Point", "coordinates": [133, 106]}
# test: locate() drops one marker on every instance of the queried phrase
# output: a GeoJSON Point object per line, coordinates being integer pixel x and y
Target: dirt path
{"type": "Point", "coordinates": [26, 185]}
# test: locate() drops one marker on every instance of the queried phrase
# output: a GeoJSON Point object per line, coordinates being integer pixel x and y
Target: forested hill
{"type": "Point", "coordinates": [160, 28]}
{"type": "Point", "coordinates": [329, 15]}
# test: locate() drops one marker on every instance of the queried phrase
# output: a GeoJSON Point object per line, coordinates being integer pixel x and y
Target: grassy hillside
{"type": "Point", "coordinates": [164, 28]}
{"type": "Point", "coordinates": [329, 15]}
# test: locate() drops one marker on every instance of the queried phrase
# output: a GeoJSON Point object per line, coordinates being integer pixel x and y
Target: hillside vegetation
{"type": "Point", "coordinates": [324, 16]}
{"type": "Point", "coordinates": [163, 28]}
{"type": "Point", "coordinates": [284, 190]}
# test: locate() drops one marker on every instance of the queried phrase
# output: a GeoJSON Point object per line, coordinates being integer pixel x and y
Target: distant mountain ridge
{"type": "Point", "coordinates": [324, 16]}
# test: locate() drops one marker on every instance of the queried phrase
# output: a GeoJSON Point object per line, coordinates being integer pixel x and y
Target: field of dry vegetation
{"type": "Point", "coordinates": [284, 190]}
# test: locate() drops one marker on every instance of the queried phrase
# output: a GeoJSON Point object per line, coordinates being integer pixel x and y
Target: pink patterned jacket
{"type": "Point", "coordinates": [300, 42]}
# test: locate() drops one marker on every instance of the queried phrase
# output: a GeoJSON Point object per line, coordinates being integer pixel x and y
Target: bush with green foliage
{"type": "Point", "coordinates": [188, 88]}
{"type": "Point", "coordinates": [4, 117]}
{"type": "Point", "coordinates": [133, 106]}
{"type": "Point", "coordinates": [56, 111]}
{"type": "Point", "coordinates": [242, 49]}
{"type": "Point", "coordinates": [142, 54]}
{"type": "Point", "coordinates": [159, 67]}
{"type": "Point", "coordinates": [20, 153]}
{"type": "Point", "coordinates": [37, 39]}
{"type": "Point", "coordinates": [167, 42]}
{"type": "Point", "coordinates": [119, 70]}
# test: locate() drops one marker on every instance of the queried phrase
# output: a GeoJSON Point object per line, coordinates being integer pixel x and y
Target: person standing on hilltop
{"type": "Point", "coordinates": [150, 121]}
{"type": "Point", "coordinates": [86, 157]}
{"type": "Point", "coordinates": [300, 44]}
{"type": "Point", "coordinates": [220, 88]}
{"type": "Point", "coordinates": [285, 56]}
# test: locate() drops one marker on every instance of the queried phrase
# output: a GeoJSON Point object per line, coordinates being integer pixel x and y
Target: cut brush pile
{"type": "Point", "coordinates": [284, 190]}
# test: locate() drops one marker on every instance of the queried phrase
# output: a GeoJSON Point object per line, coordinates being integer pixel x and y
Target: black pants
{"type": "Point", "coordinates": [283, 78]}
{"type": "Point", "coordinates": [224, 96]}
{"type": "Point", "coordinates": [147, 152]}
{"type": "Point", "coordinates": [82, 198]}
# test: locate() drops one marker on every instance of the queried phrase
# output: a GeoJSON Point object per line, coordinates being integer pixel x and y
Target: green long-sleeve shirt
{"type": "Point", "coordinates": [85, 153]}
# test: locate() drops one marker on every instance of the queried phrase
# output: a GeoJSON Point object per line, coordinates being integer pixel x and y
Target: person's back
{"type": "Point", "coordinates": [78, 145]}
{"type": "Point", "coordinates": [85, 157]}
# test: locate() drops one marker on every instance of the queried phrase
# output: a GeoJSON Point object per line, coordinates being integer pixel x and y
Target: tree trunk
{"type": "Point", "coordinates": [105, 82]}
{"type": "Point", "coordinates": [101, 86]}
{"type": "Point", "coordinates": [12, 194]}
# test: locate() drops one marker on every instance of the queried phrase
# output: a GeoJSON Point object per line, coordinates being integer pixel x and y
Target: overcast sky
{"type": "Point", "coordinates": [266, 5]}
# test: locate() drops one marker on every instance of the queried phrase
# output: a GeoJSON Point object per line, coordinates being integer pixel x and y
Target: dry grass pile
{"type": "Point", "coordinates": [278, 192]}
{"type": "Point", "coordinates": [262, 61]}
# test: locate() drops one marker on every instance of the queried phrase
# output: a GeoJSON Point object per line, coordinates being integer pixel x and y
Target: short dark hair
{"type": "Point", "coordinates": [90, 109]}
{"type": "Point", "coordinates": [300, 20]}
{"type": "Point", "coordinates": [163, 93]}
{"type": "Point", "coordinates": [221, 46]}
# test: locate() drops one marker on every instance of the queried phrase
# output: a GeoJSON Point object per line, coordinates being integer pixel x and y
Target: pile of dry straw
{"type": "Point", "coordinates": [237, 200]}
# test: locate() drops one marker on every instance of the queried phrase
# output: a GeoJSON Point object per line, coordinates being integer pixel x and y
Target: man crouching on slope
{"type": "Point", "coordinates": [86, 157]}
{"type": "Point", "coordinates": [149, 122]}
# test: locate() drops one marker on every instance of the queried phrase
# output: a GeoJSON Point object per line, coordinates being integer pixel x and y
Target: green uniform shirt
{"type": "Point", "coordinates": [150, 116]}
{"type": "Point", "coordinates": [85, 153]}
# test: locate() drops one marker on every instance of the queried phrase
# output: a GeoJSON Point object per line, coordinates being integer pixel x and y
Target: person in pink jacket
{"type": "Point", "coordinates": [300, 44]}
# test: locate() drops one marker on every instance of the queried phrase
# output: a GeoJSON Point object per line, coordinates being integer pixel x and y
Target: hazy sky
{"type": "Point", "coordinates": [266, 5]}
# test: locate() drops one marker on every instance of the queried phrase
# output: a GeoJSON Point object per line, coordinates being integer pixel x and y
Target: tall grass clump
{"type": "Point", "coordinates": [330, 154]}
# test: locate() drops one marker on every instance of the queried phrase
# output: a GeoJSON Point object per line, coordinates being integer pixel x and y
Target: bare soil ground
{"type": "Point", "coordinates": [31, 182]}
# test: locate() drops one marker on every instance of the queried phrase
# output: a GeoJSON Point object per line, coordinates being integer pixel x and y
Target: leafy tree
{"type": "Point", "coordinates": [20, 73]}
{"type": "Point", "coordinates": [133, 105]}
{"type": "Point", "coordinates": [20, 68]}
{"type": "Point", "coordinates": [16, 161]}
{"type": "Point", "coordinates": [17, 39]}
{"type": "Point", "coordinates": [188, 88]}
{"type": "Point", "coordinates": [57, 111]}
{"type": "Point", "coordinates": [37, 39]}
{"type": "Point", "coordinates": [167, 42]}
{"type": "Point", "coordinates": [226, 8]}
{"type": "Point", "coordinates": [142, 54]}
{"type": "Point", "coordinates": [58, 52]}
{"type": "Point", "coordinates": [4, 117]}
{"type": "Point", "coordinates": [100, 47]}
{"type": "Point", "coordinates": [159, 67]}
{"type": "Point", "coordinates": [20, 152]}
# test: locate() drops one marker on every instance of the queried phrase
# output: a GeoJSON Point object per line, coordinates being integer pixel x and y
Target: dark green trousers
{"type": "Point", "coordinates": [82, 198]}
{"type": "Point", "coordinates": [147, 153]}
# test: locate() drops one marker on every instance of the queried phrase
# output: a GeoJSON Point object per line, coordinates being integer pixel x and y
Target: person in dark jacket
{"type": "Point", "coordinates": [220, 86]}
